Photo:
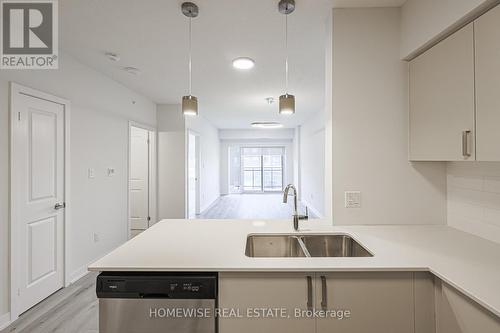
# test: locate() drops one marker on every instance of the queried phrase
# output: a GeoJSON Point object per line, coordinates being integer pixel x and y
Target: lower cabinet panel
{"type": "Point", "coordinates": [352, 302]}
{"type": "Point", "coordinates": [254, 291]}
{"type": "Point", "coordinates": [456, 313]}
{"type": "Point", "coordinates": [425, 305]}
{"type": "Point", "coordinates": [378, 302]}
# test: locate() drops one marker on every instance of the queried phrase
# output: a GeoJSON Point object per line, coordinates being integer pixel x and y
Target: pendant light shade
{"type": "Point", "coordinates": [189, 105]}
{"type": "Point", "coordinates": [287, 104]}
{"type": "Point", "coordinates": [189, 102]}
{"type": "Point", "coordinates": [287, 101]}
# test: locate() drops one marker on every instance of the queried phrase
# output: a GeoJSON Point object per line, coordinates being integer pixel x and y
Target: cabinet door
{"type": "Point", "coordinates": [487, 37]}
{"type": "Point", "coordinates": [456, 313]}
{"type": "Point", "coordinates": [442, 100]}
{"type": "Point", "coordinates": [378, 302]}
{"type": "Point", "coordinates": [248, 291]}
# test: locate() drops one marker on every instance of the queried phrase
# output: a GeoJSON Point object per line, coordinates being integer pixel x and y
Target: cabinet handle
{"type": "Point", "coordinates": [465, 143]}
{"type": "Point", "coordinates": [309, 293]}
{"type": "Point", "coordinates": [324, 301]}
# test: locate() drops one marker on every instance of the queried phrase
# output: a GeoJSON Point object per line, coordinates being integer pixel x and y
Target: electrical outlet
{"type": "Point", "coordinates": [91, 173]}
{"type": "Point", "coordinates": [352, 199]}
{"type": "Point", "coordinates": [95, 237]}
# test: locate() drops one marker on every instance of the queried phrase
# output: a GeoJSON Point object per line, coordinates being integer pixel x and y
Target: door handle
{"type": "Point", "coordinates": [309, 293]}
{"type": "Point", "coordinates": [465, 144]}
{"type": "Point", "coordinates": [60, 205]}
{"type": "Point", "coordinates": [324, 301]}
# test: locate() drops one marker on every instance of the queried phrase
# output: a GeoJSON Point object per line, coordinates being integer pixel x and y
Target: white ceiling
{"type": "Point", "coordinates": [367, 3]}
{"type": "Point", "coordinates": [152, 35]}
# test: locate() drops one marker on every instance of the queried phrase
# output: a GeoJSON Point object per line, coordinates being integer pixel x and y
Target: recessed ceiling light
{"type": "Point", "coordinates": [243, 63]}
{"type": "Point", "coordinates": [112, 56]}
{"type": "Point", "coordinates": [266, 124]}
{"type": "Point", "coordinates": [132, 70]}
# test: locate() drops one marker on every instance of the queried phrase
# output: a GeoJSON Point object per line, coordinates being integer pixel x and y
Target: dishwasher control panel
{"type": "Point", "coordinates": [157, 285]}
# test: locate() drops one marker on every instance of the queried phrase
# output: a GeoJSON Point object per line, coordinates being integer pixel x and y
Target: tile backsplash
{"type": "Point", "coordinates": [474, 198]}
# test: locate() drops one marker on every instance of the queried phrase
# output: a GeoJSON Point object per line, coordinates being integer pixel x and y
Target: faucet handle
{"type": "Point", "coordinates": [304, 217]}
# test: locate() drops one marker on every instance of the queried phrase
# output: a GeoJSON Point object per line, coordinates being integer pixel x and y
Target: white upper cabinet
{"type": "Point", "coordinates": [487, 38]}
{"type": "Point", "coordinates": [442, 100]}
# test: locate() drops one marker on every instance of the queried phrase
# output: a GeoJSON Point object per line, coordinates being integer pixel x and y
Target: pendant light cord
{"type": "Point", "coordinates": [190, 68]}
{"type": "Point", "coordinates": [286, 54]}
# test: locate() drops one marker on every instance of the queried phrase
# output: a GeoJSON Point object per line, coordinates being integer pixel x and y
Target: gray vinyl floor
{"type": "Point", "coordinates": [70, 310]}
{"type": "Point", "coordinates": [251, 206]}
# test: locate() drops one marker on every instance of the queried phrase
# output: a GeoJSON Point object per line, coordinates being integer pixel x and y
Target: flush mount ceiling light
{"type": "Point", "coordinates": [287, 101]}
{"type": "Point", "coordinates": [266, 124]}
{"type": "Point", "coordinates": [190, 102]}
{"type": "Point", "coordinates": [244, 63]}
{"type": "Point", "coordinates": [132, 70]}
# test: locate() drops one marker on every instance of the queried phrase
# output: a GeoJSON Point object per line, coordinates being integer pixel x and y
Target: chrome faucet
{"type": "Point", "coordinates": [296, 217]}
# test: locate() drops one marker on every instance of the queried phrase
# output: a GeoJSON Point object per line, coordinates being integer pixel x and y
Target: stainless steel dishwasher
{"type": "Point", "coordinates": [154, 302]}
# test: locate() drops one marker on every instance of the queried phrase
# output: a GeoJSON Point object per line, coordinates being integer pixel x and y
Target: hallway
{"type": "Point", "coordinates": [251, 206]}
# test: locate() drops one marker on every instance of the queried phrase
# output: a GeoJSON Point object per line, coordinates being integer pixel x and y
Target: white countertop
{"type": "Point", "coordinates": [469, 263]}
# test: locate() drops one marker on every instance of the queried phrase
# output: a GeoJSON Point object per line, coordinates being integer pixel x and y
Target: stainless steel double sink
{"type": "Point", "coordinates": [304, 245]}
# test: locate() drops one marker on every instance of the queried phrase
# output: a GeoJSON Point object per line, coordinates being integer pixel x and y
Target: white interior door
{"type": "Point", "coordinates": [38, 199]}
{"type": "Point", "coordinates": [193, 176]}
{"type": "Point", "coordinates": [139, 179]}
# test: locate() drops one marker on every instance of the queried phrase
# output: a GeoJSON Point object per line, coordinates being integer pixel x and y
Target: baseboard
{"type": "Point", "coordinates": [312, 209]}
{"type": "Point", "coordinates": [78, 274]}
{"type": "Point", "coordinates": [5, 320]}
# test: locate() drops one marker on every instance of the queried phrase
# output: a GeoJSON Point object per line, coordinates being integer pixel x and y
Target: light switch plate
{"type": "Point", "coordinates": [352, 199]}
{"type": "Point", "coordinates": [91, 173]}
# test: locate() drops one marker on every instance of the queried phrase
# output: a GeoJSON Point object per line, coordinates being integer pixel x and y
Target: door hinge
{"type": "Point", "coordinates": [19, 116]}
{"type": "Point", "coordinates": [149, 218]}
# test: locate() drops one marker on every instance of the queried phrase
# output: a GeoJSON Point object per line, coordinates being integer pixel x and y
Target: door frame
{"type": "Point", "coordinates": [15, 90]}
{"type": "Point", "coordinates": [152, 172]}
{"type": "Point", "coordinates": [198, 171]}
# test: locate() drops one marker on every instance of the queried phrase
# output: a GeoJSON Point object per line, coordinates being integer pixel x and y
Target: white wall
{"type": "Point", "coordinates": [474, 198]}
{"type": "Point", "coordinates": [100, 111]}
{"type": "Point", "coordinates": [251, 134]}
{"type": "Point", "coordinates": [209, 159]}
{"type": "Point", "coordinates": [424, 21]}
{"type": "Point", "coordinates": [370, 126]}
{"type": "Point", "coordinates": [171, 162]}
{"type": "Point", "coordinates": [172, 151]}
{"type": "Point", "coordinates": [312, 164]}
{"type": "Point", "coordinates": [296, 160]}
{"type": "Point", "coordinates": [328, 107]}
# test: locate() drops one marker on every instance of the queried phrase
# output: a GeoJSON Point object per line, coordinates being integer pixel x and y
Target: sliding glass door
{"type": "Point", "coordinates": [262, 169]}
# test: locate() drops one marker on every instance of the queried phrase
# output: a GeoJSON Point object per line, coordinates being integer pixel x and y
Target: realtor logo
{"type": "Point", "coordinates": [29, 38]}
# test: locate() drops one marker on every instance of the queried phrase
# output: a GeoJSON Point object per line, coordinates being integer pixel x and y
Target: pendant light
{"type": "Point", "coordinates": [287, 101]}
{"type": "Point", "coordinates": [189, 102]}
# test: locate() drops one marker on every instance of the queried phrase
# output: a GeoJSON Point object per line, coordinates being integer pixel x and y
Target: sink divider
{"type": "Point", "coordinates": [303, 246]}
